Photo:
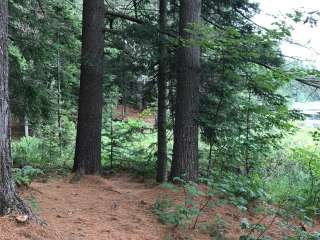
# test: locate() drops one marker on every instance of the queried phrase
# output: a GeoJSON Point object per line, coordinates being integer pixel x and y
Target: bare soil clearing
{"type": "Point", "coordinates": [96, 208]}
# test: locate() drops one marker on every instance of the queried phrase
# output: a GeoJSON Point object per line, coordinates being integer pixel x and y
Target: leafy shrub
{"type": "Point", "coordinates": [187, 212]}
{"type": "Point", "coordinates": [303, 235]}
{"type": "Point", "coordinates": [294, 183]}
{"type": "Point", "coordinates": [26, 151]}
{"type": "Point", "coordinates": [255, 231]}
{"type": "Point", "coordinates": [242, 190]}
{"type": "Point", "coordinates": [217, 230]}
{"type": "Point", "coordinates": [129, 145]}
{"type": "Point", "coordinates": [24, 176]}
{"type": "Point", "coordinates": [57, 145]}
{"type": "Point", "coordinates": [46, 150]}
{"type": "Point", "coordinates": [164, 209]}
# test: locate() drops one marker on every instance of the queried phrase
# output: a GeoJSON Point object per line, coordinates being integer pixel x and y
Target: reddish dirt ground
{"type": "Point", "coordinates": [118, 208]}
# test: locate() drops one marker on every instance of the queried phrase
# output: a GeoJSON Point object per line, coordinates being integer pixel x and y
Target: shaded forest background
{"type": "Point", "coordinates": [167, 91]}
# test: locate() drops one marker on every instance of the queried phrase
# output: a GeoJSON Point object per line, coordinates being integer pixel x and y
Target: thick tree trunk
{"type": "Point", "coordinates": [9, 199]}
{"type": "Point", "coordinates": [162, 96]}
{"type": "Point", "coordinates": [185, 151]}
{"type": "Point", "coordinates": [88, 142]}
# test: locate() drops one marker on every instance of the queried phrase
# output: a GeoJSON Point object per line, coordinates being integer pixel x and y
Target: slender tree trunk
{"type": "Point", "coordinates": [210, 158]}
{"type": "Point", "coordinates": [185, 150]}
{"type": "Point", "coordinates": [88, 142]}
{"type": "Point", "coordinates": [59, 99]}
{"type": "Point", "coordinates": [247, 152]}
{"type": "Point", "coordinates": [111, 140]}
{"type": "Point", "coordinates": [124, 93]}
{"type": "Point", "coordinates": [26, 126]}
{"type": "Point", "coordinates": [162, 96]}
{"type": "Point", "coordinates": [9, 199]}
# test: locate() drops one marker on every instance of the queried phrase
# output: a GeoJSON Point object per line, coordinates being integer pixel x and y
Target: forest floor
{"type": "Point", "coordinates": [115, 208]}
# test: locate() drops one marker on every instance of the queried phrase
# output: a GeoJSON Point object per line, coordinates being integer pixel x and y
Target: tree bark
{"type": "Point", "coordinates": [162, 96]}
{"type": "Point", "coordinates": [88, 142]}
{"type": "Point", "coordinates": [59, 99]}
{"type": "Point", "coordinates": [185, 162]}
{"type": "Point", "coordinates": [111, 140]}
{"type": "Point", "coordinates": [9, 199]}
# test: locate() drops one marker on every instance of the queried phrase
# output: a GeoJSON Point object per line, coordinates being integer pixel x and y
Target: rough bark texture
{"type": "Point", "coordinates": [88, 142]}
{"type": "Point", "coordinates": [9, 199]}
{"type": "Point", "coordinates": [185, 151]}
{"type": "Point", "coordinates": [162, 96]}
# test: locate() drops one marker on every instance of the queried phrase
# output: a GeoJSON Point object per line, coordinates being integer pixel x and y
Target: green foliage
{"type": "Point", "coordinates": [242, 191]}
{"type": "Point", "coordinates": [303, 235]}
{"type": "Point", "coordinates": [129, 144]}
{"type": "Point", "coordinates": [57, 146]}
{"type": "Point", "coordinates": [163, 209]}
{"type": "Point", "coordinates": [186, 213]}
{"type": "Point", "coordinates": [49, 148]}
{"type": "Point", "coordinates": [293, 178]}
{"type": "Point", "coordinates": [243, 116]}
{"type": "Point", "coordinates": [24, 176]}
{"type": "Point", "coordinates": [26, 151]}
{"type": "Point", "coordinates": [42, 35]}
{"type": "Point", "coordinates": [254, 231]}
{"type": "Point", "coordinates": [217, 230]}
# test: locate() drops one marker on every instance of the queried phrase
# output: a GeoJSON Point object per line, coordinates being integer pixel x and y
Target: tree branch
{"type": "Point", "coordinates": [40, 6]}
{"type": "Point", "coordinates": [125, 16]}
{"type": "Point", "coordinates": [312, 82]}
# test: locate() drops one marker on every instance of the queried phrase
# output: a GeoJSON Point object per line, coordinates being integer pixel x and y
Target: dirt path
{"type": "Point", "coordinates": [95, 209]}
{"type": "Point", "coordinates": [118, 208]}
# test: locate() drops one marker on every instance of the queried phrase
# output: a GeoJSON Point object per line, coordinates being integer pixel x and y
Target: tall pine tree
{"type": "Point", "coordinates": [88, 142]}
{"type": "Point", "coordinates": [9, 199]}
{"type": "Point", "coordinates": [162, 95]}
{"type": "Point", "coordinates": [185, 150]}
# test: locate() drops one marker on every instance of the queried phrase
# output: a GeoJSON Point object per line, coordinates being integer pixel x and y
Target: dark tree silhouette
{"type": "Point", "coordinates": [185, 151]}
{"type": "Point", "coordinates": [9, 199]}
{"type": "Point", "coordinates": [88, 142]}
{"type": "Point", "coordinates": [162, 95]}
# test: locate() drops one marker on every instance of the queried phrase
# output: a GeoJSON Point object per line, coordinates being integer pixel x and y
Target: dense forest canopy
{"type": "Point", "coordinates": [189, 91]}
